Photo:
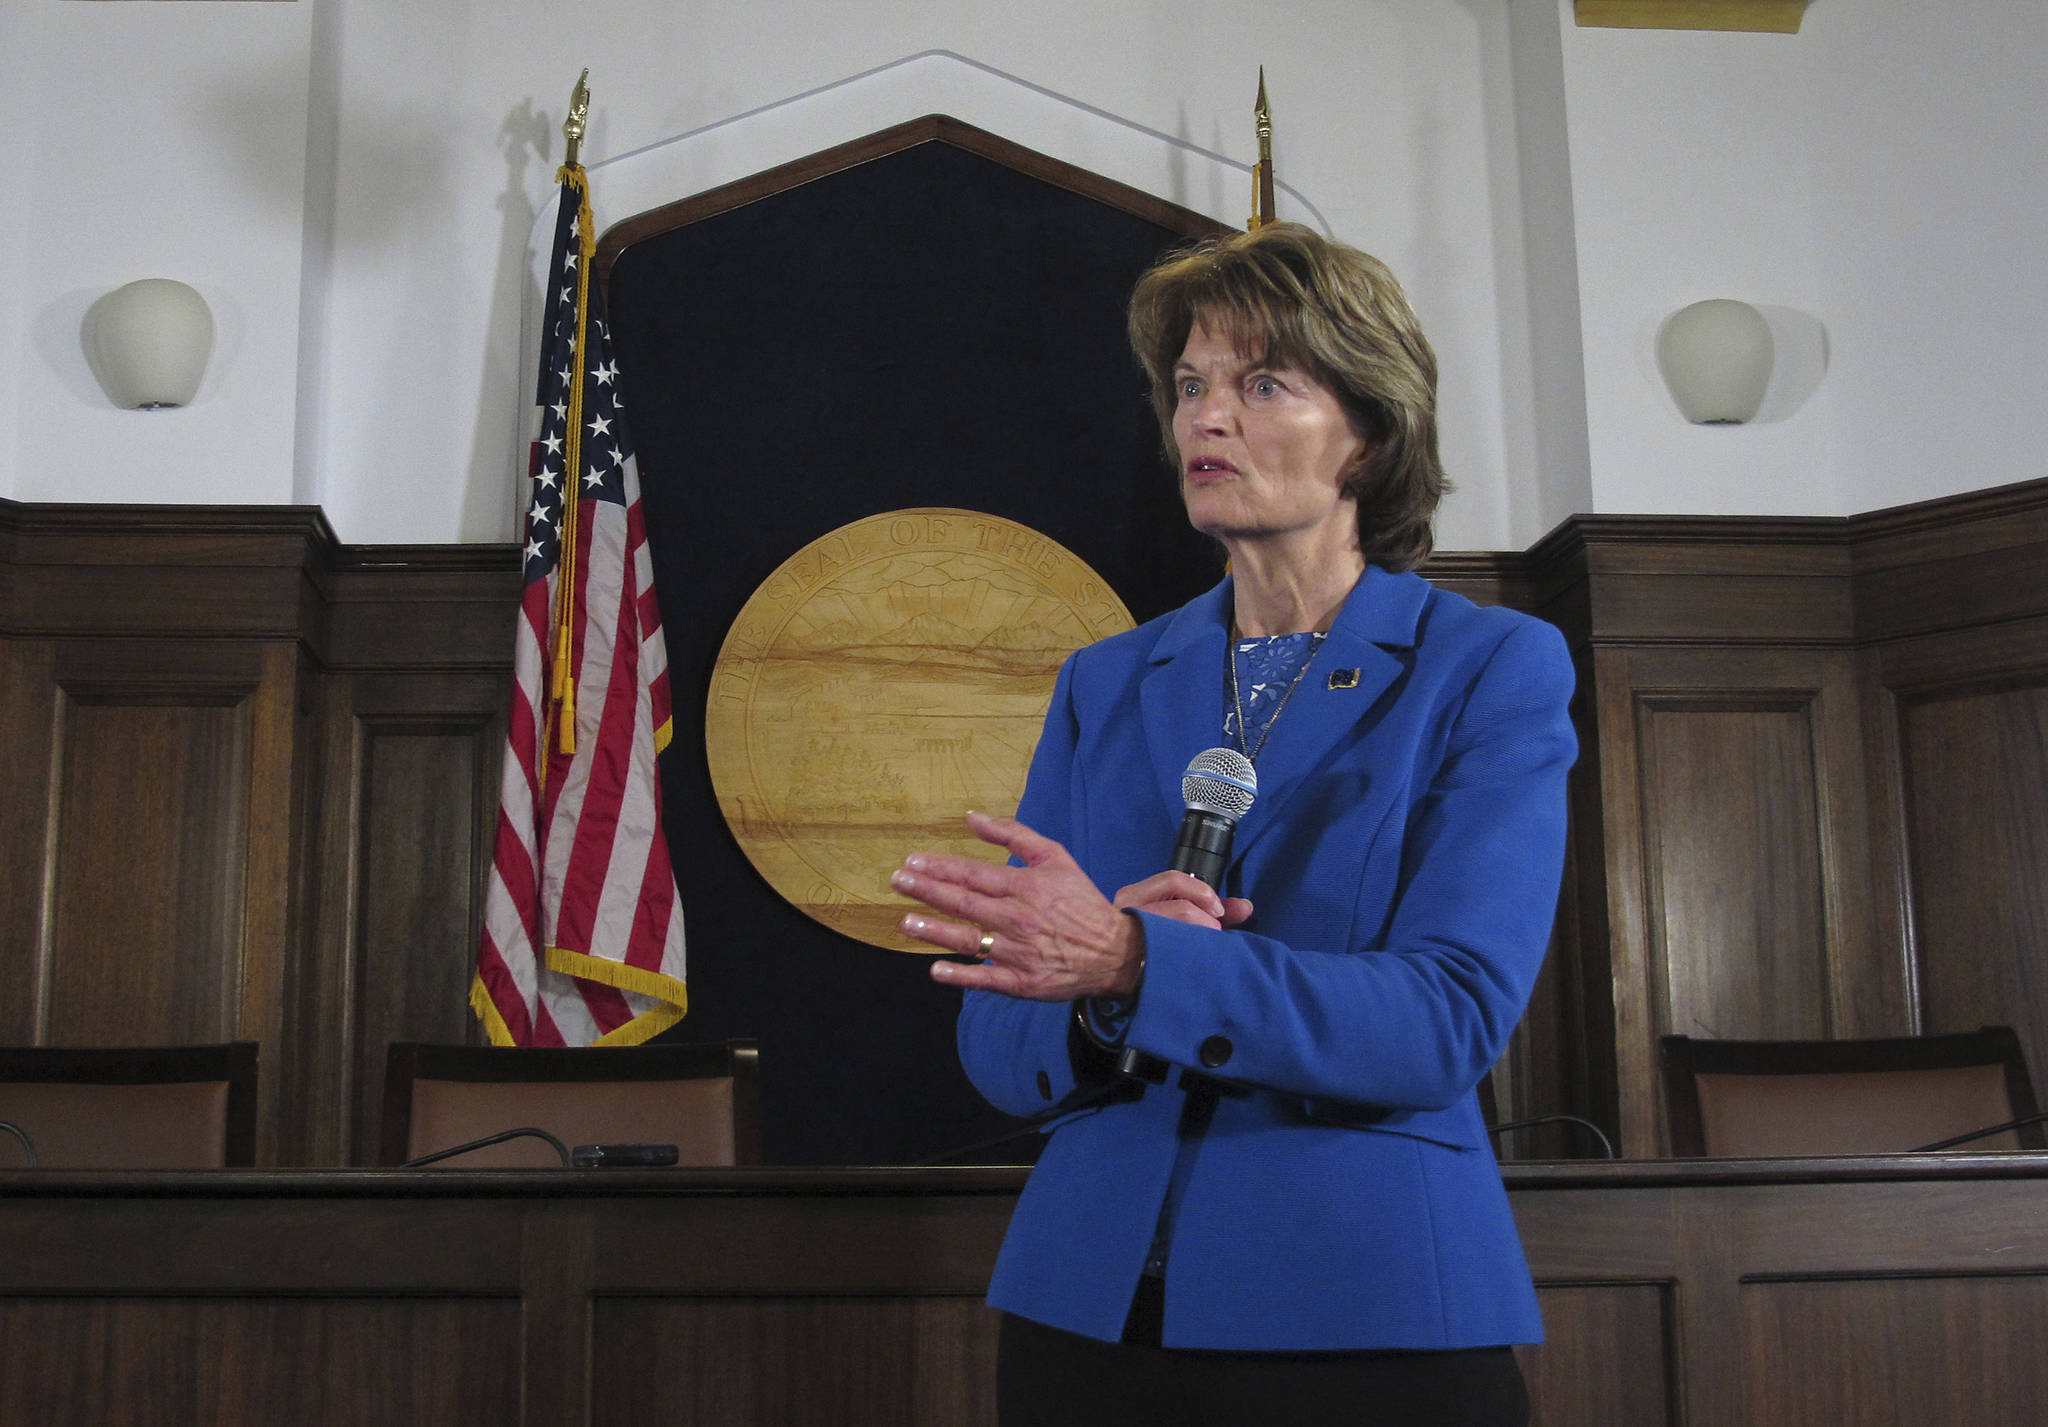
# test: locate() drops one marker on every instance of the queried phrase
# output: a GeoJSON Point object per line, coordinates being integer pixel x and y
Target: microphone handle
{"type": "Point", "coordinates": [1202, 850]}
{"type": "Point", "coordinates": [1203, 847]}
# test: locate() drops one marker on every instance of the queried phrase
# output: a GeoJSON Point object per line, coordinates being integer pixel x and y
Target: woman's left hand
{"type": "Point", "coordinates": [1053, 935]}
{"type": "Point", "coordinates": [1183, 898]}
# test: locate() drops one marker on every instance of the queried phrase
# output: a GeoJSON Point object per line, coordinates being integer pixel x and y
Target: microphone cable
{"type": "Point", "coordinates": [1606, 1145]}
{"type": "Point", "coordinates": [1094, 1097]}
{"type": "Point", "coordinates": [525, 1132]}
{"type": "Point", "coordinates": [1984, 1134]}
{"type": "Point", "coordinates": [28, 1145]}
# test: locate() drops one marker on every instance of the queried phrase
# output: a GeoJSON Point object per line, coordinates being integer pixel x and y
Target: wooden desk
{"type": "Point", "coordinates": [1704, 1292]}
{"type": "Point", "coordinates": [1893, 1290]}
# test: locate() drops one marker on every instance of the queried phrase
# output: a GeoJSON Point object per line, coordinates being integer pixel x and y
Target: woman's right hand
{"type": "Point", "coordinates": [1183, 897]}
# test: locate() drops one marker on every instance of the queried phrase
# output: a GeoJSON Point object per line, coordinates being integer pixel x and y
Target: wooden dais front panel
{"type": "Point", "coordinates": [1710, 1293]}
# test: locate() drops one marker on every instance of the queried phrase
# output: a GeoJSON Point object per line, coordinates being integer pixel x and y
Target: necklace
{"type": "Point", "coordinates": [1237, 700]}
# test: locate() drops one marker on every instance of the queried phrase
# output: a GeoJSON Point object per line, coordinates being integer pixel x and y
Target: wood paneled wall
{"type": "Point", "coordinates": [1952, 610]}
{"type": "Point", "coordinates": [1811, 802]}
{"type": "Point", "coordinates": [251, 777]}
{"type": "Point", "coordinates": [252, 782]}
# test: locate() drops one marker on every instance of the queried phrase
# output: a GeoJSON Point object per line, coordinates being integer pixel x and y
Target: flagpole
{"type": "Point", "coordinates": [563, 690]}
{"type": "Point", "coordinates": [1262, 171]}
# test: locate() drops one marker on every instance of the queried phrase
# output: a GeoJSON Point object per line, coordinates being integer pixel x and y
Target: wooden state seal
{"type": "Point", "coordinates": [885, 679]}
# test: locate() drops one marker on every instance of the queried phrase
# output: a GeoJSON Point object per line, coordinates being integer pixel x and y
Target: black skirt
{"type": "Point", "coordinates": [1046, 1377]}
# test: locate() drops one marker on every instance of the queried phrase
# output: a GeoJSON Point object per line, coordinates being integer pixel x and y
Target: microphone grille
{"type": "Point", "coordinates": [1222, 781]}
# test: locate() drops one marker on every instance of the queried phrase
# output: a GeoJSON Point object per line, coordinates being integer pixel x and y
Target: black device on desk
{"type": "Point", "coordinates": [622, 1156]}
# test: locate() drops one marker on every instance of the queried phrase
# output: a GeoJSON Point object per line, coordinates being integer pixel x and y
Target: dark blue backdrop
{"type": "Point", "coordinates": [928, 328]}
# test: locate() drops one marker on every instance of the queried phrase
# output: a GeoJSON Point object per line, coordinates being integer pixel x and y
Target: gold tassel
{"type": "Point", "coordinates": [565, 699]}
{"type": "Point", "coordinates": [563, 687]}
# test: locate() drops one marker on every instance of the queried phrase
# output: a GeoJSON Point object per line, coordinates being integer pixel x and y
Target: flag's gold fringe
{"type": "Point", "coordinates": [616, 973]}
{"type": "Point", "coordinates": [642, 1028]}
{"type": "Point", "coordinates": [661, 735]}
{"type": "Point", "coordinates": [487, 1011]}
{"type": "Point", "coordinates": [576, 963]}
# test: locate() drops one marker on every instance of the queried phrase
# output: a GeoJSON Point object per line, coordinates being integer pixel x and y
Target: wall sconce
{"type": "Point", "coordinates": [1716, 358]}
{"type": "Point", "coordinates": [149, 342]}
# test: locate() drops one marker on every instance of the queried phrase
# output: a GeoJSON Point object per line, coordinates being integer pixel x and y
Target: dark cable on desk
{"type": "Point", "coordinates": [1606, 1146]}
{"type": "Point", "coordinates": [528, 1132]}
{"type": "Point", "coordinates": [27, 1144]}
{"type": "Point", "coordinates": [1095, 1097]}
{"type": "Point", "coordinates": [1984, 1134]}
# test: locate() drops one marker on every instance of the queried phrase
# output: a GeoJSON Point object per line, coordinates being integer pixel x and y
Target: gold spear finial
{"type": "Point", "coordinates": [1262, 171]}
{"type": "Point", "coordinates": [579, 111]}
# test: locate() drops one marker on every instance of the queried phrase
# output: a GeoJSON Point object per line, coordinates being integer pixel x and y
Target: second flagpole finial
{"type": "Point", "coordinates": [1262, 171]}
{"type": "Point", "coordinates": [579, 112]}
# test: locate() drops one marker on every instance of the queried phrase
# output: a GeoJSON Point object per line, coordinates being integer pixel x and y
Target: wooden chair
{"type": "Point", "coordinates": [703, 1099]}
{"type": "Point", "coordinates": [1882, 1096]}
{"type": "Point", "coordinates": [132, 1107]}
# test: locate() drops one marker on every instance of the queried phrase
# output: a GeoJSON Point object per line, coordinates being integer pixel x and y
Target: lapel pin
{"type": "Point", "coordinates": [1343, 678]}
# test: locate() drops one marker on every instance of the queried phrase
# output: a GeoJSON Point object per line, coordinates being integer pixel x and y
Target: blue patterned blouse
{"type": "Point", "coordinates": [1267, 668]}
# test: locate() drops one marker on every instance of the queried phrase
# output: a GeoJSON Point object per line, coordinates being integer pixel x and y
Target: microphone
{"type": "Point", "coordinates": [1218, 788]}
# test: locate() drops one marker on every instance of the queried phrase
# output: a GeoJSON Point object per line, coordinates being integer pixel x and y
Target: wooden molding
{"type": "Point", "coordinates": [1967, 562]}
{"type": "Point", "coordinates": [254, 572]}
{"type": "Point", "coordinates": [1997, 517]}
{"type": "Point", "coordinates": [159, 571]}
{"type": "Point", "coordinates": [1770, 17]}
{"type": "Point", "coordinates": [1655, 579]}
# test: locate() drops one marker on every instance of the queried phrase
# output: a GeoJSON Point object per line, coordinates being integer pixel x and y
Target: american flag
{"type": "Point", "coordinates": [583, 937]}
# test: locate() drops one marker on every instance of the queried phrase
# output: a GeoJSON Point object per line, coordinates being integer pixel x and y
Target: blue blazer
{"type": "Point", "coordinates": [1403, 859]}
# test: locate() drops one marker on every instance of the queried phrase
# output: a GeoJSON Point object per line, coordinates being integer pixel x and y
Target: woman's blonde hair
{"type": "Point", "coordinates": [1283, 294]}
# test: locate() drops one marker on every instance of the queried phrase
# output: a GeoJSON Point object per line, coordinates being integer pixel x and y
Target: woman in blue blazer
{"type": "Point", "coordinates": [1297, 1217]}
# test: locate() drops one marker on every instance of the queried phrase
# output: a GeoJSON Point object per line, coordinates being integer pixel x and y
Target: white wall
{"type": "Point", "coordinates": [351, 183]}
{"type": "Point", "coordinates": [1931, 126]}
{"type": "Point", "coordinates": [1377, 106]}
{"type": "Point", "coordinates": [156, 141]}
{"type": "Point", "coordinates": [1875, 183]}
{"type": "Point", "coordinates": [1692, 178]}
{"type": "Point", "coordinates": [20, 56]}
